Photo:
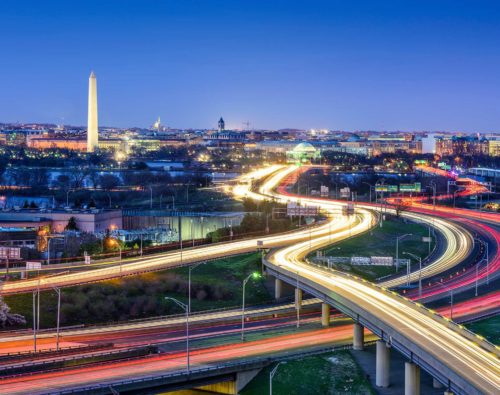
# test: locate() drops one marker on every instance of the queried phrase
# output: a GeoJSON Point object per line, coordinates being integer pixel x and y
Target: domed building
{"type": "Point", "coordinates": [303, 152]}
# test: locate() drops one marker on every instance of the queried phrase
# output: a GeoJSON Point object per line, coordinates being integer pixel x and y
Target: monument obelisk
{"type": "Point", "coordinates": [92, 126]}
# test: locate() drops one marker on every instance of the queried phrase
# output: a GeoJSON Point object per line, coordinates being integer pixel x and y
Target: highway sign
{"type": "Point", "coordinates": [33, 265]}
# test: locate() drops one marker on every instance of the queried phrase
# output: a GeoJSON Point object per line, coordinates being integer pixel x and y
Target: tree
{"type": "Point", "coordinates": [109, 182]}
{"type": "Point", "coordinates": [72, 225]}
{"type": "Point", "coordinates": [400, 205]}
{"type": "Point", "coordinates": [7, 318]}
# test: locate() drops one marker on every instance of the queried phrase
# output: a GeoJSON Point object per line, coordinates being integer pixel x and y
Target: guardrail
{"type": "Point", "coordinates": [406, 346]}
{"type": "Point", "coordinates": [197, 373]}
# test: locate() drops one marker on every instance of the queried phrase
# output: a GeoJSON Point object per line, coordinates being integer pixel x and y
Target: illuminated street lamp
{"type": "Point", "coordinates": [419, 271]}
{"type": "Point", "coordinates": [186, 309]}
{"type": "Point", "coordinates": [272, 373]}
{"type": "Point", "coordinates": [255, 276]}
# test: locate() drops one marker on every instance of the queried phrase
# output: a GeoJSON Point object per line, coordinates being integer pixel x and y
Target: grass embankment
{"type": "Point", "coordinates": [214, 285]}
{"type": "Point", "coordinates": [381, 241]}
{"type": "Point", "coordinates": [489, 328]}
{"type": "Point", "coordinates": [332, 373]}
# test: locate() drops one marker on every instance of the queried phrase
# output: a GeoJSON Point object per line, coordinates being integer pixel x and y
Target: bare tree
{"type": "Point", "coordinates": [7, 318]}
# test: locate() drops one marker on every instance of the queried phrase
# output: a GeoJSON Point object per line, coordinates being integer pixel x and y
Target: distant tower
{"type": "Point", "coordinates": [92, 126]}
{"type": "Point", "coordinates": [222, 125]}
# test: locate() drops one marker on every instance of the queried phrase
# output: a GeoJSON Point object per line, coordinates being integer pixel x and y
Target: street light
{"type": "Point", "coordinates": [477, 273]}
{"type": "Point", "coordinates": [370, 186]}
{"type": "Point", "coordinates": [486, 246]}
{"type": "Point", "coordinates": [190, 269]}
{"type": "Point", "coordinates": [419, 272]}
{"type": "Point", "coordinates": [58, 290]}
{"type": "Point", "coordinates": [186, 309]}
{"type": "Point", "coordinates": [272, 373]}
{"type": "Point", "coordinates": [255, 276]}
{"type": "Point", "coordinates": [451, 298]}
{"type": "Point", "coordinates": [397, 248]}
{"type": "Point", "coordinates": [433, 183]}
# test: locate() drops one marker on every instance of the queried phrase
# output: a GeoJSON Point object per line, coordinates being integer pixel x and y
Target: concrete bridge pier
{"type": "Point", "coordinates": [298, 298]}
{"type": "Point", "coordinates": [358, 339]}
{"type": "Point", "coordinates": [231, 387]}
{"type": "Point", "coordinates": [325, 315]}
{"type": "Point", "coordinates": [278, 288]}
{"type": "Point", "coordinates": [383, 364]}
{"type": "Point", "coordinates": [412, 379]}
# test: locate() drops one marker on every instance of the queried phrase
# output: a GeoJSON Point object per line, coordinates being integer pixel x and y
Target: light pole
{"type": "Point", "coordinates": [190, 269]}
{"type": "Point", "coordinates": [486, 246]}
{"type": "Point", "coordinates": [272, 373]}
{"type": "Point", "coordinates": [254, 275]}
{"type": "Point", "coordinates": [150, 197]}
{"type": "Point", "coordinates": [58, 290]}
{"type": "Point", "coordinates": [433, 183]}
{"type": "Point", "coordinates": [419, 271]}
{"type": "Point", "coordinates": [370, 186]}
{"type": "Point", "coordinates": [477, 275]}
{"type": "Point", "coordinates": [192, 233]}
{"type": "Point", "coordinates": [67, 197]}
{"type": "Point", "coordinates": [397, 248]}
{"type": "Point", "coordinates": [186, 309]}
{"type": "Point", "coordinates": [451, 298]}
{"type": "Point", "coordinates": [336, 190]}
{"type": "Point", "coordinates": [298, 302]}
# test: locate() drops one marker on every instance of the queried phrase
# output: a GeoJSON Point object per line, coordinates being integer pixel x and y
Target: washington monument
{"type": "Point", "coordinates": [92, 126]}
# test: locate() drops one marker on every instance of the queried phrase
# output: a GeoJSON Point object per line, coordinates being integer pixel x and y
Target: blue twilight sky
{"type": "Point", "coordinates": [347, 64]}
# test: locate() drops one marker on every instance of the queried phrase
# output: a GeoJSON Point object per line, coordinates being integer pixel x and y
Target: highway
{"type": "Point", "coordinates": [52, 382]}
{"type": "Point", "coordinates": [457, 240]}
{"type": "Point", "coordinates": [478, 365]}
{"type": "Point", "coordinates": [197, 254]}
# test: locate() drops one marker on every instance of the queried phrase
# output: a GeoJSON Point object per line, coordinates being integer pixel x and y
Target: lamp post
{"type": "Point", "coordinates": [192, 232]}
{"type": "Point", "coordinates": [451, 298]}
{"type": "Point", "coordinates": [298, 303]}
{"type": "Point", "coordinates": [397, 248]}
{"type": "Point", "coordinates": [255, 276]}
{"type": "Point", "coordinates": [419, 271]}
{"type": "Point", "coordinates": [150, 197]}
{"type": "Point", "coordinates": [477, 275]}
{"type": "Point", "coordinates": [58, 290]}
{"type": "Point", "coordinates": [186, 309]}
{"type": "Point", "coordinates": [433, 183]}
{"type": "Point", "coordinates": [370, 189]}
{"type": "Point", "coordinates": [486, 246]}
{"type": "Point", "coordinates": [190, 269]}
{"type": "Point", "coordinates": [336, 190]}
{"type": "Point", "coordinates": [272, 373]}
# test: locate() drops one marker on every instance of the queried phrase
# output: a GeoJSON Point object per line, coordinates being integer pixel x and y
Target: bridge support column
{"type": "Point", "coordinates": [298, 298]}
{"type": "Point", "coordinates": [383, 364]}
{"type": "Point", "coordinates": [325, 314]}
{"type": "Point", "coordinates": [412, 379]}
{"type": "Point", "coordinates": [278, 288]}
{"type": "Point", "coordinates": [437, 384]}
{"type": "Point", "coordinates": [358, 339]}
{"type": "Point", "coordinates": [448, 393]}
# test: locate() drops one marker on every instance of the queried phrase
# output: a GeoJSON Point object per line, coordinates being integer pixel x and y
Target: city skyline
{"type": "Point", "coordinates": [286, 65]}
